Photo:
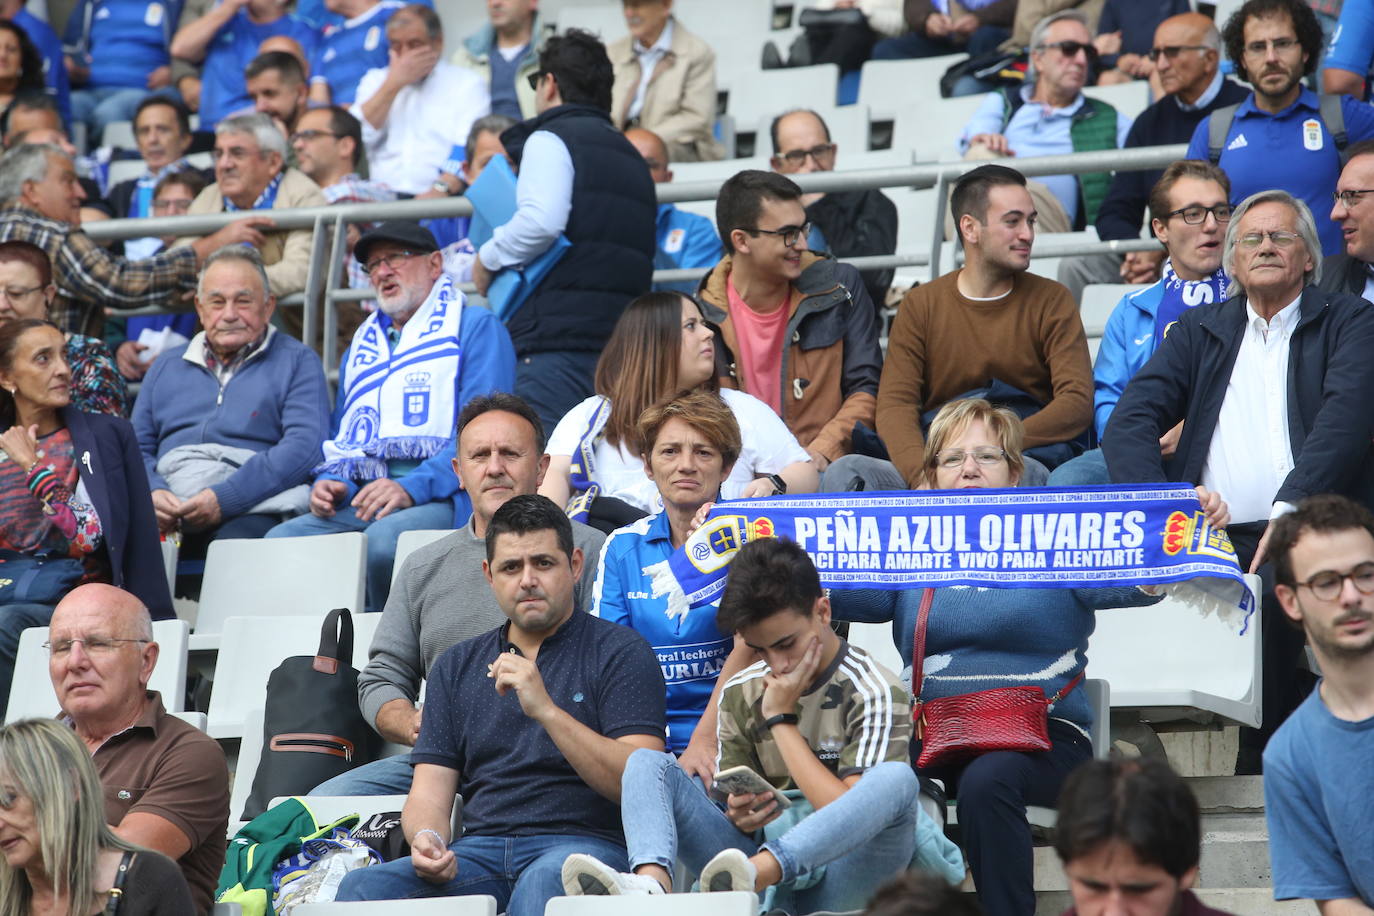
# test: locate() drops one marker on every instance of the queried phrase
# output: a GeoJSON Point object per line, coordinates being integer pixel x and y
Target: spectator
{"type": "Point", "coordinates": [988, 324]}
{"type": "Point", "coordinates": [387, 461]}
{"type": "Point", "coordinates": [162, 130]}
{"type": "Point", "coordinates": [661, 346]}
{"type": "Point", "coordinates": [852, 224]}
{"type": "Point", "coordinates": [503, 53]}
{"type": "Point", "coordinates": [918, 893]}
{"type": "Point", "coordinates": [1030, 12]}
{"type": "Point", "coordinates": [1351, 52]}
{"type": "Point", "coordinates": [814, 714]}
{"type": "Point", "coordinates": [90, 520]}
{"type": "Point", "coordinates": [1273, 44]}
{"type": "Point", "coordinates": [1129, 836]}
{"type": "Point", "coordinates": [665, 81]}
{"type": "Point", "coordinates": [1122, 43]}
{"type": "Point", "coordinates": [42, 199]}
{"type": "Point", "coordinates": [348, 50]}
{"type": "Point", "coordinates": [846, 40]}
{"type": "Point", "coordinates": [226, 40]}
{"type": "Point", "coordinates": [1323, 557]}
{"type": "Point", "coordinates": [22, 67]}
{"type": "Point", "coordinates": [251, 174]}
{"type": "Point", "coordinates": [416, 109]}
{"type": "Point", "coordinates": [989, 636]}
{"type": "Point", "coordinates": [56, 821]}
{"type": "Point", "coordinates": [796, 329]}
{"type": "Point", "coordinates": [171, 197]}
{"type": "Point", "coordinates": [1187, 62]}
{"type": "Point", "coordinates": [231, 461]}
{"type": "Point", "coordinates": [539, 778]}
{"type": "Point", "coordinates": [1061, 120]}
{"type": "Point", "coordinates": [500, 455]}
{"type": "Point", "coordinates": [589, 185]}
{"type": "Point", "coordinates": [1190, 214]}
{"type": "Point", "coordinates": [166, 782]}
{"type": "Point", "coordinates": [948, 27]}
{"type": "Point", "coordinates": [26, 283]}
{"type": "Point", "coordinates": [33, 118]}
{"type": "Point", "coordinates": [1349, 271]}
{"type": "Point", "coordinates": [277, 85]}
{"type": "Point", "coordinates": [682, 240]}
{"type": "Point", "coordinates": [117, 52]}
{"type": "Point", "coordinates": [483, 144]}
{"type": "Point", "coordinates": [49, 48]}
{"type": "Point", "coordinates": [1273, 387]}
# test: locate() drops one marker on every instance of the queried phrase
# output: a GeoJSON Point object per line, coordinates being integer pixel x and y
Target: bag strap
{"type": "Point", "coordinates": [1064, 691]}
{"type": "Point", "coordinates": [1218, 126]}
{"type": "Point", "coordinates": [918, 641]}
{"type": "Point", "coordinates": [1333, 116]}
{"type": "Point", "coordinates": [116, 892]}
{"type": "Point", "coordinates": [336, 642]}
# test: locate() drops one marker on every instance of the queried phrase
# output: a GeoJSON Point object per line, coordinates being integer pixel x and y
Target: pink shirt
{"type": "Point", "coordinates": [759, 342]}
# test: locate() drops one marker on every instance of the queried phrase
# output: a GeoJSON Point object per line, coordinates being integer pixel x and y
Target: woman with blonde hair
{"type": "Point", "coordinates": [60, 857]}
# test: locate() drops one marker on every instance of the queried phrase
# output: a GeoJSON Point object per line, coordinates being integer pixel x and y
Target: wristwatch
{"type": "Point", "coordinates": [441, 186]}
{"type": "Point", "coordinates": [779, 485]}
{"type": "Point", "coordinates": [786, 718]}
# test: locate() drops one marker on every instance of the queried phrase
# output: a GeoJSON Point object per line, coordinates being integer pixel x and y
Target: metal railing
{"type": "Point", "coordinates": [324, 287]}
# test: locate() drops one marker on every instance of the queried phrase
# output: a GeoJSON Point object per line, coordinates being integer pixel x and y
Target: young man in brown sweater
{"type": "Point", "coordinates": [988, 322]}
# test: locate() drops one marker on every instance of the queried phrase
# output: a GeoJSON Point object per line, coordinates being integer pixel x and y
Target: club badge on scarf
{"type": "Point", "coordinates": [1179, 295]}
{"type": "Point", "coordinates": [1054, 537]}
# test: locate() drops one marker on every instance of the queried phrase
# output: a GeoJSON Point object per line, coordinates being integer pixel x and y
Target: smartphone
{"type": "Point", "coordinates": [744, 781]}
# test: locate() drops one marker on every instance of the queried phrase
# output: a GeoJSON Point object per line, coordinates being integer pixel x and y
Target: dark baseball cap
{"type": "Point", "coordinates": [400, 231]}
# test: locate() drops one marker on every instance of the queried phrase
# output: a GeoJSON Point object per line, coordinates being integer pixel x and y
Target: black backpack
{"type": "Point", "coordinates": [1219, 125]}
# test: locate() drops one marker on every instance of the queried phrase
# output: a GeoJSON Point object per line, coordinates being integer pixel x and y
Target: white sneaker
{"type": "Point", "coordinates": [730, 870]}
{"type": "Point", "coordinates": [584, 874]}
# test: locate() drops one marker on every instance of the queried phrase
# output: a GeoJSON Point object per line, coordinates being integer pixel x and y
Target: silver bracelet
{"type": "Point", "coordinates": [430, 830]}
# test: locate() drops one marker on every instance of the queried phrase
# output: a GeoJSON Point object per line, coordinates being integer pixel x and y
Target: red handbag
{"type": "Point", "coordinates": [954, 729]}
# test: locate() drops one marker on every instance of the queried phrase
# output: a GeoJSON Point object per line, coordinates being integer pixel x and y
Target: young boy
{"type": "Point", "coordinates": [815, 715]}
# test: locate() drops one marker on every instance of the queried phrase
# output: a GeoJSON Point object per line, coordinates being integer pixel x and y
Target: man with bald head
{"type": "Point", "coordinates": [682, 240]}
{"type": "Point", "coordinates": [851, 224]}
{"type": "Point", "coordinates": [166, 783]}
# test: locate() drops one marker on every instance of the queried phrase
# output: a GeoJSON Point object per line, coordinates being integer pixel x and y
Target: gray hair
{"type": "Point", "coordinates": [242, 254]}
{"type": "Point", "coordinates": [1307, 230]}
{"type": "Point", "coordinates": [434, 27]}
{"type": "Point", "coordinates": [1037, 36]}
{"type": "Point", "coordinates": [262, 129]}
{"type": "Point", "coordinates": [1211, 38]}
{"type": "Point", "coordinates": [487, 124]}
{"type": "Point", "coordinates": [23, 164]}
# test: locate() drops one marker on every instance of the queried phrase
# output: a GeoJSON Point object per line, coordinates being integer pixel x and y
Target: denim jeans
{"type": "Point", "coordinates": [1088, 469]}
{"type": "Point", "coordinates": [553, 382]}
{"type": "Point", "coordinates": [388, 776]}
{"type": "Point", "coordinates": [523, 873]}
{"type": "Point", "coordinates": [381, 537]}
{"type": "Point", "coordinates": [866, 836]}
{"type": "Point", "coordinates": [14, 620]}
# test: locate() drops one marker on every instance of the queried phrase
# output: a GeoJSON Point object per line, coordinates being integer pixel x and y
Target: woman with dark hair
{"type": "Point", "coordinates": [660, 346]}
{"type": "Point", "coordinates": [74, 501]}
{"type": "Point", "coordinates": [21, 66]}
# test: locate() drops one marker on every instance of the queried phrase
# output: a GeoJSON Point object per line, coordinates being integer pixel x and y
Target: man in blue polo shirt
{"type": "Point", "coordinates": [1278, 137]}
{"type": "Point", "coordinates": [532, 724]}
{"type": "Point", "coordinates": [350, 49]}
{"type": "Point", "coordinates": [117, 52]}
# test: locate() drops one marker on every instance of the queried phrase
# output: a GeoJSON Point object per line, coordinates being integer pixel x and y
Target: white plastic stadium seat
{"type": "Point", "coordinates": [888, 86]}
{"type": "Point", "coordinates": [1128, 98]}
{"type": "Point", "coordinates": [123, 169]}
{"type": "Point", "coordinates": [1099, 301]}
{"type": "Point", "coordinates": [876, 640]}
{"type": "Point", "coordinates": [475, 905]}
{"type": "Point", "coordinates": [171, 552]}
{"type": "Point", "coordinates": [930, 126]}
{"type": "Point", "coordinates": [32, 694]}
{"type": "Point", "coordinates": [605, 20]}
{"type": "Point", "coordinates": [279, 576]}
{"type": "Point", "coordinates": [736, 903]}
{"type": "Point", "coordinates": [814, 86]}
{"type": "Point", "coordinates": [410, 541]}
{"type": "Point", "coordinates": [119, 134]}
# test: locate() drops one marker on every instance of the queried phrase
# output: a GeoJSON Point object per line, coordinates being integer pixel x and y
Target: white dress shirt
{"type": "Point", "coordinates": [426, 121]}
{"type": "Point", "coordinates": [1250, 454]}
{"type": "Point", "coordinates": [543, 200]}
{"type": "Point", "coordinates": [648, 60]}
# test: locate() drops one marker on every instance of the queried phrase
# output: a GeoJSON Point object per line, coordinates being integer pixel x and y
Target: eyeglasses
{"type": "Point", "coordinates": [1173, 51]}
{"type": "Point", "coordinates": [788, 234]}
{"type": "Point", "coordinates": [305, 136]}
{"type": "Point", "coordinates": [94, 645]}
{"type": "Point", "coordinates": [1196, 216]}
{"type": "Point", "coordinates": [1071, 49]}
{"type": "Point", "coordinates": [1351, 197]}
{"type": "Point", "coordinates": [535, 77]}
{"type": "Point", "coordinates": [392, 260]}
{"type": "Point", "coordinates": [1281, 45]}
{"type": "Point", "coordinates": [1327, 584]}
{"type": "Point", "coordinates": [1280, 239]}
{"type": "Point", "coordinates": [171, 206]}
{"type": "Point", "coordinates": [18, 293]}
{"type": "Point", "coordinates": [985, 456]}
{"type": "Point", "coordinates": [823, 153]}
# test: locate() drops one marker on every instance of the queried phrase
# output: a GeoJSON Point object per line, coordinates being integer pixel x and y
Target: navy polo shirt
{"type": "Point", "coordinates": [514, 780]}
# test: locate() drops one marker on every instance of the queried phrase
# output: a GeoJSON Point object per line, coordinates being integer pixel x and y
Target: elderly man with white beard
{"type": "Point", "coordinates": [412, 365]}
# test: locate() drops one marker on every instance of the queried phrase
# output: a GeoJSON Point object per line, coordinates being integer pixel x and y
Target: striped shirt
{"type": "Point", "coordinates": [856, 715]}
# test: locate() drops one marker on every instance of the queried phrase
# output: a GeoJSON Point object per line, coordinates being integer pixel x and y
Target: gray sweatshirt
{"type": "Point", "coordinates": [441, 598]}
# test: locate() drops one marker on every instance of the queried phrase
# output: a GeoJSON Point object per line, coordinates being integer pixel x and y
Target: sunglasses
{"type": "Point", "coordinates": [1173, 51]}
{"type": "Point", "coordinates": [535, 77]}
{"type": "Point", "coordinates": [1071, 49]}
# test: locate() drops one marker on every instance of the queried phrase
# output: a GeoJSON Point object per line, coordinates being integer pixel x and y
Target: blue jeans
{"type": "Point", "coordinates": [523, 873]}
{"type": "Point", "coordinates": [14, 620]}
{"type": "Point", "coordinates": [388, 776]}
{"type": "Point", "coordinates": [553, 382]}
{"type": "Point", "coordinates": [107, 104]}
{"type": "Point", "coordinates": [913, 44]}
{"type": "Point", "coordinates": [1088, 469]}
{"type": "Point", "coordinates": [381, 537]}
{"type": "Point", "coordinates": [866, 836]}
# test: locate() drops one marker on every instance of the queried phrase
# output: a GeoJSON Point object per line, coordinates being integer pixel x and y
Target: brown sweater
{"type": "Point", "coordinates": [943, 344]}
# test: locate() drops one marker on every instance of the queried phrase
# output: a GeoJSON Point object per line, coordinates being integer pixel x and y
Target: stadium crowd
{"type": "Point", "coordinates": [572, 427]}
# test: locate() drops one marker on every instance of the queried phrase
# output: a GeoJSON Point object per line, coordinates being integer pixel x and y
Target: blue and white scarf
{"type": "Point", "coordinates": [266, 200]}
{"type": "Point", "coordinates": [582, 470]}
{"type": "Point", "coordinates": [1181, 295]}
{"type": "Point", "coordinates": [1054, 537]}
{"type": "Point", "coordinates": [399, 403]}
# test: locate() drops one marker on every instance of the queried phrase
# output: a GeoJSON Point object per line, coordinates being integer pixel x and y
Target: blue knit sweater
{"type": "Point", "coordinates": [981, 638]}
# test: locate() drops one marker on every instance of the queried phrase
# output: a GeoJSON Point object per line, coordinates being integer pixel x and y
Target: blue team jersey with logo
{"type": "Point", "coordinates": [349, 50]}
{"type": "Point", "coordinates": [691, 650]}
{"type": "Point", "coordinates": [223, 88]}
{"type": "Point", "coordinates": [123, 40]}
{"type": "Point", "coordinates": [50, 49]}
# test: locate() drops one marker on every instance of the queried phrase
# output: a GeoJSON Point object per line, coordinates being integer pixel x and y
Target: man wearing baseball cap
{"type": "Point", "coordinates": [412, 365]}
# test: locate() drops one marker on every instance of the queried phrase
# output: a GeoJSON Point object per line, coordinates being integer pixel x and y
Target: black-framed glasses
{"type": "Point", "coordinates": [985, 455]}
{"type": "Point", "coordinates": [1173, 51]}
{"type": "Point", "coordinates": [1350, 197]}
{"type": "Point", "coordinates": [305, 136]}
{"type": "Point", "coordinates": [535, 77]}
{"type": "Point", "coordinates": [392, 260]}
{"type": "Point", "coordinates": [94, 645]}
{"type": "Point", "coordinates": [823, 153]}
{"type": "Point", "coordinates": [1196, 215]}
{"type": "Point", "coordinates": [1280, 238]}
{"type": "Point", "coordinates": [788, 234]}
{"type": "Point", "coordinates": [1282, 45]}
{"type": "Point", "coordinates": [1071, 49]}
{"type": "Point", "coordinates": [1327, 584]}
